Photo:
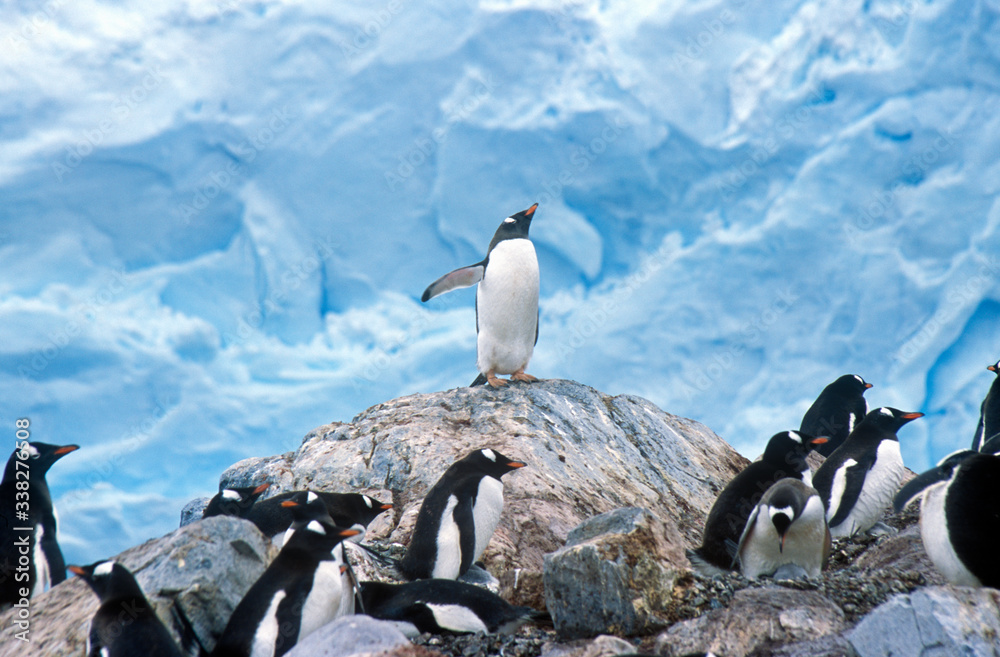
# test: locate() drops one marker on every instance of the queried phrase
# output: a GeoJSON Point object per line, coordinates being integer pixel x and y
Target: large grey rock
{"type": "Point", "coordinates": [615, 573]}
{"type": "Point", "coordinates": [350, 636]}
{"type": "Point", "coordinates": [587, 453]}
{"type": "Point", "coordinates": [756, 621]}
{"type": "Point", "coordinates": [199, 572]}
{"type": "Point", "coordinates": [193, 510]}
{"type": "Point", "coordinates": [938, 620]}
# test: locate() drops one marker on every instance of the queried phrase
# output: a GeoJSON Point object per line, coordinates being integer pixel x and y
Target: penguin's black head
{"type": "Point", "coordinates": [887, 419]}
{"type": "Point", "coordinates": [995, 368]}
{"type": "Point", "coordinates": [318, 537]}
{"type": "Point", "coordinates": [489, 462]}
{"type": "Point", "coordinates": [943, 471]}
{"type": "Point", "coordinates": [514, 226]}
{"type": "Point", "coordinates": [234, 501]}
{"type": "Point", "coordinates": [306, 506]}
{"type": "Point", "coordinates": [790, 447]}
{"type": "Point", "coordinates": [851, 385]}
{"type": "Point", "coordinates": [41, 456]}
{"type": "Point", "coordinates": [108, 579]}
{"type": "Point", "coordinates": [367, 508]}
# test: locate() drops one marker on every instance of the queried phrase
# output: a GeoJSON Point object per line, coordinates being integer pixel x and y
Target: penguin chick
{"type": "Point", "coordinates": [858, 480]}
{"type": "Point", "coordinates": [234, 501]}
{"type": "Point", "coordinates": [836, 411]}
{"type": "Point", "coordinates": [125, 624]}
{"type": "Point", "coordinates": [444, 605]}
{"type": "Point", "coordinates": [458, 516]}
{"type": "Point", "coordinates": [788, 527]}
{"type": "Point", "coordinates": [27, 502]}
{"type": "Point", "coordinates": [960, 516]}
{"type": "Point", "coordinates": [506, 300]}
{"type": "Point", "coordinates": [784, 456]}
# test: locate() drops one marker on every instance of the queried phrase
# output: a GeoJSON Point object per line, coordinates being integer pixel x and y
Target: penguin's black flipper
{"type": "Point", "coordinates": [480, 381]}
{"type": "Point", "coordinates": [854, 481]}
{"type": "Point", "coordinates": [463, 277]}
{"type": "Point", "coordinates": [736, 548]}
{"type": "Point", "coordinates": [466, 532]}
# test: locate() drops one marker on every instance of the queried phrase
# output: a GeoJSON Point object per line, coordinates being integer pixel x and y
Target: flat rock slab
{"type": "Point", "coordinates": [201, 571]}
{"type": "Point", "coordinates": [587, 453]}
{"type": "Point", "coordinates": [351, 636]}
{"type": "Point", "coordinates": [938, 620]}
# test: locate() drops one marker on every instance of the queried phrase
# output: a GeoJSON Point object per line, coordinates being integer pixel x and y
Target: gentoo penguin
{"type": "Point", "coordinates": [506, 301]}
{"type": "Point", "coordinates": [857, 482]}
{"type": "Point", "coordinates": [234, 501]}
{"type": "Point", "coordinates": [458, 516]}
{"type": "Point", "coordinates": [28, 523]}
{"type": "Point", "coordinates": [960, 516]}
{"type": "Point", "coordinates": [787, 529]}
{"type": "Point", "coordinates": [989, 412]}
{"type": "Point", "coordinates": [298, 593]}
{"type": "Point", "coordinates": [346, 510]}
{"type": "Point", "coordinates": [444, 605]}
{"type": "Point", "coordinates": [784, 456]}
{"type": "Point", "coordinates": [125, 624]}
{"type": "Point", "coordinates": [836, 411]}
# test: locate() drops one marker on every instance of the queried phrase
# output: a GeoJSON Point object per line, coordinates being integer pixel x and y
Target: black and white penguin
{"type": "Point", "coordinates": [786, 533]}
{"type": "Point", "coordinates": [298, 593]}
{"type": "Point", "coordinates": [989, 411]}
{"type": "Point", "coordinates": [836, 411]}
{"type": "Point", "coordinates": [784, 456]}
{"type": "Point", "coordinates": [859, 479]}
{"type": "Point", "coordinates": [458, 516]}
{"type": "Point", "coordinates": [29, 507]}
{"type": "Point", "coordinates": [444, 605]}
{"type": "Point", "coordinates": [234, 501]}
{"type": "Point", "coordinates": [345, 509]}
{"type": "Point", "coordinates": [506, 301]}
{"type": "Point", "coordinates": [125, 624]}
{"type": "Point", "coordinates": [960, 516]}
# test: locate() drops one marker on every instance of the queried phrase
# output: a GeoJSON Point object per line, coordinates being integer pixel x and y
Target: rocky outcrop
{"type": "Point", "coordinates": [351, 636]}
{"type": "Point", "coordinates": [587, 453]}
{"type": "Point", "coordinates": [194, 576]}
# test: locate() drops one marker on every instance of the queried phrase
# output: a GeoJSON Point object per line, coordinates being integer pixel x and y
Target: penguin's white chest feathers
{"type": "Point", "coordinates": [267, 631]}
{"type": "Point", "coordinates": [486, 512]}
{"type": "Point", "coordinates": [937, 543]}
{"type": "Point", "coordinates": [448, 560]}
{"type": "Point", "coordinates": [325, 600]}
{"type": "Point", "coordinates": [881, 483]}
{"type": "Point", "coordinates": [507, 308]}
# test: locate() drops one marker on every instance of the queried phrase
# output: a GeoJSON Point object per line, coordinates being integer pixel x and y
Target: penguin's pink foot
{"type": "Point", "coordinates": [521, 376]}
{"type": "Point", "coordinates": [492, 379]}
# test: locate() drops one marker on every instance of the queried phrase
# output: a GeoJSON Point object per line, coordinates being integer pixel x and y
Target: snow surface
{"type": "Point", "coordinates": [217, 217]}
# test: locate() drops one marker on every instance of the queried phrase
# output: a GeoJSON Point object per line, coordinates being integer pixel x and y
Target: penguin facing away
{"type": "Point", "coordinates": [836, 411]}
{"type": "Point", "coordinates": [859, 479]}
{"type": "Point", "coordinates": [784, 456]}
{"type": "Point", "coordinates": [234, 501]}
{"type": "Point", "coordinates": [444, 605]}
{"type": "Point", "coordinates": [506, 301]}
{"type": "Point", "coordinates": [786, 532]}
{"type": "Point", "coordinates": [960, 516]}
{"type": "Point", "coordinates": [297, 594]}
{"type": "Point", "coordinates": [125, 624]}
{"type": "Point", "coordinates": [345, 510]}
{"type": "Point", "coordinates": [989, 412]}
{"type": "Point", "coordinates": [458, 516]}
{"type": "Point", "coordinates": [28, 464]}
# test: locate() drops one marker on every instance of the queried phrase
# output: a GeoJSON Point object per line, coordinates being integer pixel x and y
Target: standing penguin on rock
{"type": "Point", "coordinates": [25, 502]}
{"type": "Point", "coordinates": [784, 456]}
{"type": "Point", "coordinates": [858, 481]}
{"type": "Point", "coordinates": [458, 516]}
{"type": "Point", "coordinates": [989, 412]}
{"type": "Point", "coordinates": [836, 411]}
{"type": "Point", "coordinates": [506, 301]}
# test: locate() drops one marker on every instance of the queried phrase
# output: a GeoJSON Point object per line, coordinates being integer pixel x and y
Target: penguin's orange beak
{"type": "Point", "coordinates": [868, 385]}
{"type": "Point", "coordinates": [66, 449]}
{"type": "Point", "coordinates": [76, 570]}
{"type": "Point", "coordinates": [818, 440]}
{"type": "Point", "coordinates": [516, 464]}
{"type": "Point", "coordinates": [349, 532]}
{"type": "Point", "coordinates": [261, 488]}
{"type": "Point", "coordinates": [385, 506]}
{"type": "Point", "coordinates": [912, 416]}
{"type": "Point", "coordinates": [530, 211]}
{"type": "Point", "coordinates": [289, 504]}
{"type": "Point", "coordinates": [992, 368]}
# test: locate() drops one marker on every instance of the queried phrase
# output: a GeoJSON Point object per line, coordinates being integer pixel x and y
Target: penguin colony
{"type": "Point", "coordinates": [776, 518]}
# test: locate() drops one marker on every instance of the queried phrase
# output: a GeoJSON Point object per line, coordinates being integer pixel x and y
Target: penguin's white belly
{"type": "Point", "coordinates": [486, 512]}
{"type": "Point", "coordinates": [507, 308]}
{"type": "Point", "coordinates": [267, 631]}
{"type": "Point", "coordinates": [42, 575]}
{"type": "Point", "coordinates": [881, 483]}
{"type": "Point", "coordinates": [456, 618]}
{"type": "Point", "coordinates": [325, 599]}
{"type": "Point", "coordinates": [804, 544]}
{"type": "Point", "coordinates": [448, 560]}
{"type": "Point", "coordinates": [934, 532]}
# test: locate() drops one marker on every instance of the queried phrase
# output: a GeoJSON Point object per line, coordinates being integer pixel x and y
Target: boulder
{"type": "Point", "coordinates": [938, 620]}
{"type": "Point", "coordinates": [756, 620]}
{"type": "Point", "coordinates": [615, 573]}
{"type": "Point", "coordinates": [351, 636]}
{"type": "Point", "coordinates": [198, 573]}
{"type": "Point", "coordinates": [587, 453]}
